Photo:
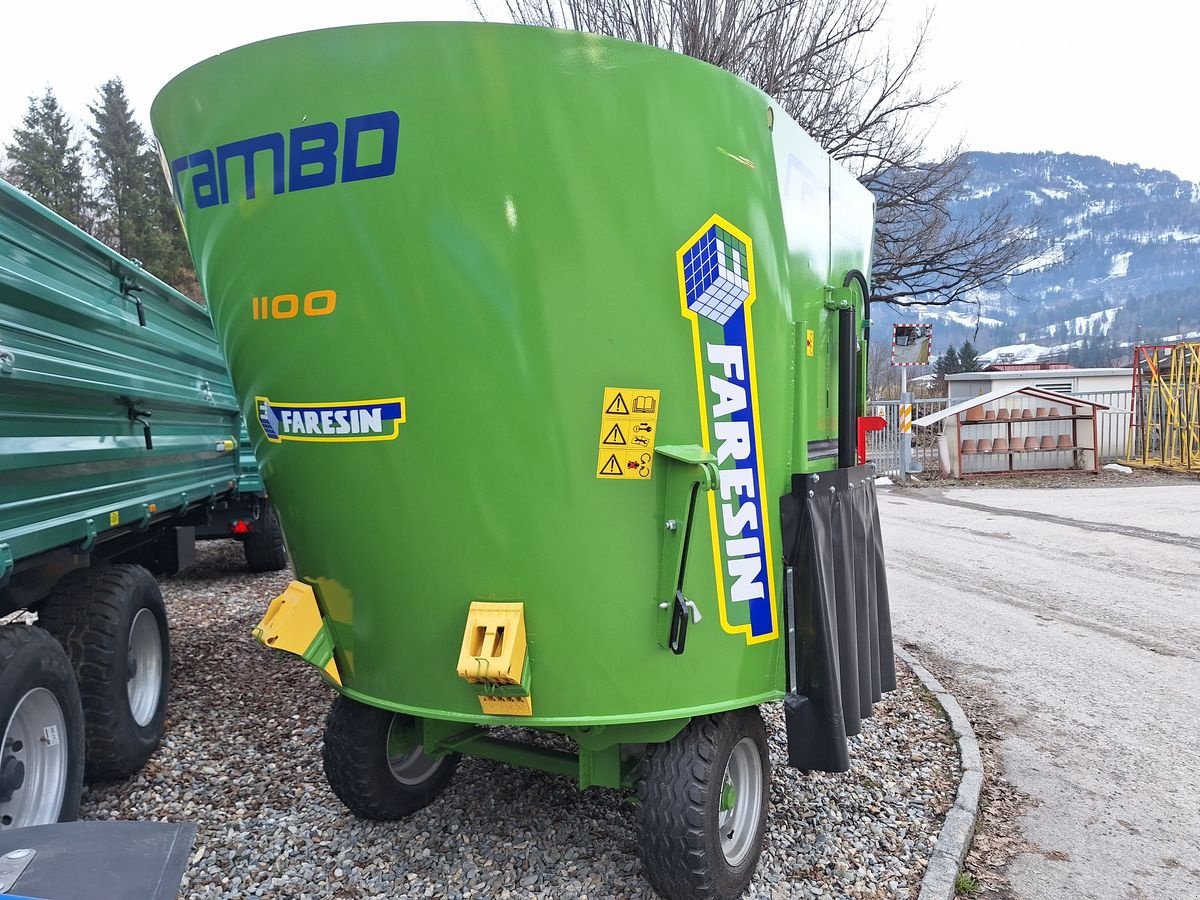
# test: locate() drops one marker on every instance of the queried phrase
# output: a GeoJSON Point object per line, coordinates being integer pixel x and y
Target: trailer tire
{"type": "Point", "coordinates": [703, 807]}
{"type": "Point", "coordinates": [264, 547]}
{"type": "Point", "coordinates": [112, 622]}
{"type": "Point", "coordinates": [37, 692]}
{"type": "Point", "coordinates": [374, 768]}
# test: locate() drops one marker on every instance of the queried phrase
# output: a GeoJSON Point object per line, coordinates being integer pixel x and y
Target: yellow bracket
{"type": "Point", "coordinates": [293, 623]}
{"type": "Point", "coordinates": [493, 647]}
{"type": "Point", "coordinates": [494, 657]}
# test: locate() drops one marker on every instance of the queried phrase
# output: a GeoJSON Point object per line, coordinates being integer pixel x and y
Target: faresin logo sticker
{"type": "Point", "coordinates": [716, 290]}
{"type": "Point", "coordinates": [356, 420]}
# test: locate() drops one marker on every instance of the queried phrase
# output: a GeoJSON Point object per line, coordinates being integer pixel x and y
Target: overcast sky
{"type": "Point", "coordinates": [1103, 77]}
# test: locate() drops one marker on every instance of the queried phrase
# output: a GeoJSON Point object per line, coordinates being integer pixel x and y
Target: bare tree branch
{"type": "Point", "coordinates": [820, 59]}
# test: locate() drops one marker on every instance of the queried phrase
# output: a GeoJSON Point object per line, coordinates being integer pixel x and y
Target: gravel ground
{"type": "Point", "coordinates": [241, 757]}
{"type": "Point", "coordinates": [998, 838]}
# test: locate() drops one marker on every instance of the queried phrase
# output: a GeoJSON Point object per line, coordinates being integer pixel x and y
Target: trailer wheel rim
{"type": "Point", "coordinates": [741, 799]}
{"type": "Point", "coordinates": [409, 763]}
{"type": "Point", "coordinates": [145, 667]}
{"type": "Point", "coordinates": [34, 761]}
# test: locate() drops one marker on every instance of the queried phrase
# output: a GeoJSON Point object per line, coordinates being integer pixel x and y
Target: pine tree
{"type": "Point", "coordinates": [173, 262]}
{"type": "Point", "coordinates": [47, 163]}
{"type": "Point", "coordinates": [947, 364]}
{"type": "Point", "coordinates": [968, 358]}
{"type": "Point", "coordinates": [137, 215]}
{"type": "Point", "coordinates": [117, 145]}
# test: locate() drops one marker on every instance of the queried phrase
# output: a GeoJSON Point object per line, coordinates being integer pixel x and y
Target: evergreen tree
{"type": "Point", "coordinates": [137, 216]}
{"type": "Point", "coordinates": [47, 163]}
{"type": "Point", "coordinates": [173, 263]}
{"type": "Point", "coordinates": [123, 197]}
{"type": "Point", "coordinates": [947, 364]}
{"type": "Point", "coordinates": [968, 358]}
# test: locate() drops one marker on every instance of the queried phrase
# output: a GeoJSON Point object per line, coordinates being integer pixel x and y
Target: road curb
{"type": "Point", "coordinates": [946, 861]}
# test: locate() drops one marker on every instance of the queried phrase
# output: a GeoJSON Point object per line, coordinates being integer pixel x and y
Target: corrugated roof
{"type": "Point", "coordinates": [1001, 393]}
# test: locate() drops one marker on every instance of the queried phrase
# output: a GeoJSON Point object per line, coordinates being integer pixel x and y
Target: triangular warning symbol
{"type": "Point", "coordinates": [612, 467]}
{"type": "Point", "coordinates": [617, 407]}
{"type": "Point", "coordinates": [615, 437]}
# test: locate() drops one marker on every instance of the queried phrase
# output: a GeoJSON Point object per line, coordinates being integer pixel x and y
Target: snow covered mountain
{"type": "Point", "coordinates": [1118, 260]}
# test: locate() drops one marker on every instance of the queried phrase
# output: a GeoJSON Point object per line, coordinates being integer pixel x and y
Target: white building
{"type": "Point", "coordinates": [1076, 382]}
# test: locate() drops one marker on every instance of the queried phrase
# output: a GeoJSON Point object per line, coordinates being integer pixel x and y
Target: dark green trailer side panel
{"type": "Point", "coordinates": [96, 353]}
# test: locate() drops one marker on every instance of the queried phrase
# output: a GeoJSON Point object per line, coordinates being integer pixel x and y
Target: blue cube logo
{"type": "Point", "coordinates": [268, 419]}
{"type": "Point", "coordinates": [716, 275]}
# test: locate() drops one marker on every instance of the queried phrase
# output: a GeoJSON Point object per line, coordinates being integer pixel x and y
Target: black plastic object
{"type": "Point", "coordinates": [839, 624]}
{"type": "Point", "coordinates": [677, 640]}
{"type": "Point", "coordinates": [131, 288]}
{"type": "Point", "coordinates": [142, 417]}
{"type": "Point", "coordinates": [101, 860]}
{"type": "Point", "coordinates": [847, 388]}
{"type": "Point", "coordinates": [854, 275]}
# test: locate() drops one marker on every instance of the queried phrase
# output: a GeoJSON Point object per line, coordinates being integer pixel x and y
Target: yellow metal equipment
{"type": "Point", "coordinates": [1164, 430]}
{"type": "Point", "coordinates": [293, 623]}
{"type": "Point", "coordinates": [494, 657]}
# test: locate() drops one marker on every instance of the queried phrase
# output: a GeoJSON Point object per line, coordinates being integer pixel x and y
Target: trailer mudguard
{"type": "Point", "coordinates": [840, 633]}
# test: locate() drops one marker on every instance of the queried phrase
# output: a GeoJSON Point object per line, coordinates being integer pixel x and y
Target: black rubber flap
{"type": "Point", "coordinates": [838, 618]}
{"type": "Point", "coordinates": [102, 860]}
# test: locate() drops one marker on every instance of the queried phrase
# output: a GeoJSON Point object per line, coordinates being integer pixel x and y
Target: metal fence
{"type": "Point", "coordinates": [883, 447]}
{"type": "Point", "coordinates": [1112, 424]}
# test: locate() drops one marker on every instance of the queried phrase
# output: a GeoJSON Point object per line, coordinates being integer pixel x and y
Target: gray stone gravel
{"type": "Point", "coordinates": [241, 758]}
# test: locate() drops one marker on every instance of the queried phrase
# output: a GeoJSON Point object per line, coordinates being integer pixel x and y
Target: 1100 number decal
{"type": "Point", "coordinates": [288, 306]}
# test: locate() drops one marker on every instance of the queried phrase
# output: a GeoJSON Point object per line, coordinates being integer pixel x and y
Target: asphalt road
{"type": "Point", "coordinates": [1078, 610]}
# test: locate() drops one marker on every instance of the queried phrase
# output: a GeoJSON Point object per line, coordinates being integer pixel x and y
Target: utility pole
{"type": "Point", "coordinates": [906, 405]}
{"type": "Point", "coordinates": [910, 347]}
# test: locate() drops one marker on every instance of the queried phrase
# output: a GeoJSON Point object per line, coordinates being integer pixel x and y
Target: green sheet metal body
{"type": "Point", "coordinates": [500, 212]}
{"type": "Point", "coordinates": [74, 466]}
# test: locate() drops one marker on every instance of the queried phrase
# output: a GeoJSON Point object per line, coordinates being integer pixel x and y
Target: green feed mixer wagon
{"type": "Point", "coordinates": [554, 349]}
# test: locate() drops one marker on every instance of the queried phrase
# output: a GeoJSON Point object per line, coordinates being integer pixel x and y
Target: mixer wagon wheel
{"type": "Point", "coordinates": [41, 731]}
{"type": "Point", "coordinates": [375, 763]}
{"type": "Point", "coordinates": [703, 807]}
{"type": "Point", "coordinates": [112, 622]}
{"type": "Point", "coordinates": [264, 548]}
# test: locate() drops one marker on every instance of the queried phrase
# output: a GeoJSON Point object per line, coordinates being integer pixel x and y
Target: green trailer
{"type": "Point", "coordinates": [553, 349]}
{"type": "Point", "coordinates": [121, 443]}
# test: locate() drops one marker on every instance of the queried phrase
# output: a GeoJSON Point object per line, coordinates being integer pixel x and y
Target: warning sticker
{"type": "Point", "coordinates": [628, 426]}
{"type": "Point", "coordinates": [614, 436]}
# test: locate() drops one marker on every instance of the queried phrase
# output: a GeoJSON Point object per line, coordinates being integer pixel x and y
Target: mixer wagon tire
{"type": "Point", "coordinates": [41, 730]}
{"type": "Point", "coordinates": [375, 766]}
{"type": "Point", "coordinates": [264, 547]}
{"type": "Point", "coordinates": [112, 622]}
{"type": "Point", "coordinates": [703, 807]}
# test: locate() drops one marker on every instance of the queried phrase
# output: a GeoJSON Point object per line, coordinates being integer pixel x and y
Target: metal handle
{"type": "Point", "coordinates": [130, 288]}
{"type": "Point", "coordinates": [141, 417]}
{"type": "Point", "coordinates": [677, 639]}
{"type": "Point", "coordinates": [690, 469]}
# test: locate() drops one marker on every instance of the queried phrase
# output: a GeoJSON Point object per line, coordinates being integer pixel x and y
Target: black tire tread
{"type": "Point", "coordinates": [355, 761]}
{"type": "Point", "coordinates": [264, 547]}
{"type": "Point", "coordinates": [678, 776]}
{"type": "Point", "coordinates": [84, 614]}
{"type": "Point", "coordinates": [17, 638]}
